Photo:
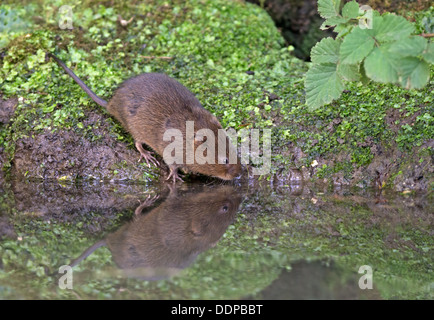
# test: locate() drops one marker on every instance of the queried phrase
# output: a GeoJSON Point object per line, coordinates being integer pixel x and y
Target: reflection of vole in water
{"type": "Point", "coordinates": [171, 235]}
{"type": "Point", "coordinates": [150, 104]}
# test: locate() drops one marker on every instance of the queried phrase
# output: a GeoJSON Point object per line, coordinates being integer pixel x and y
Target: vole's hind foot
{"type": "Point", "coordinates": [174, 175]}
{"type": "Point", "coordinates": [147, 155]}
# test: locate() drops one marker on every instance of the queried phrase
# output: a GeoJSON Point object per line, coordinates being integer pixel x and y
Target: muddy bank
{"type": "Point", "coordinates": [66, 155]}
{"type": "Point", "coordinates": [7, 110]}
{"type": "Point", "coordinates": [390, 168]}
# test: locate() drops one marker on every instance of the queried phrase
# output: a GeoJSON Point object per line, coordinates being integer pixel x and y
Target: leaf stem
{"type": "Point", "coordinates": [427, 35]}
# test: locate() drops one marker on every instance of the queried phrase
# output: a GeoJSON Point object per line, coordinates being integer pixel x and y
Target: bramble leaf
{"type": "Point", "coordinates": [323, 85]}
{"type": "Point", "coordinates": [382, 66]}
{"type": "Point", "coordinates": [356, 46]}
{"type": "Point", "coordinates": [327, 50]}
{"type": "Point", "coordinates": [414, 73]}
{"type": "Point", "coordinates": [428, 54]}
{"type": "Point", "coordinates": [333, 21]}
{"type": "Point", "coordinates": [390, 27]}
{"type": "Point", "coordinates": [350, 10]}
{"type": "Point", "coordinates": [329, 8]}
{"type": "Point", "coordinates": [382, 49]}
{"type": "Point", "coordinates": [385, 66]}
{"type": "Point", "coordinates": [411, 46]}
{"type": "Point", "coordinates": [349, 72]}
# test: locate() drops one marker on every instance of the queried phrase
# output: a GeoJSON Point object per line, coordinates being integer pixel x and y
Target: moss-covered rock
{"type": "Point", "coordinates": [231, 56]}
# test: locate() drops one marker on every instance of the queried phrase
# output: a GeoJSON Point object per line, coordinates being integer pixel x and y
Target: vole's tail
{"type": "Point", "coordinates": [87, 253]}
{"type": "Point", "coordinates": [91, 94]}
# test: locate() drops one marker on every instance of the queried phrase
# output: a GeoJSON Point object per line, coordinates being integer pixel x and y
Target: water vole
{"type": "Point", "coordinates": [149, 104]}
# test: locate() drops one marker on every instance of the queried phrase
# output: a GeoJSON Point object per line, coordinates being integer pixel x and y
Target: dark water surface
{"type": "Point", "coordinates": [212, 242]}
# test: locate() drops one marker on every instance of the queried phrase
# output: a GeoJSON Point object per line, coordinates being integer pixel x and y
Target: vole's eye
{"type": "Point", "coordinates": [225, 208]}
{"type": "Point", "coordinates": [226, 161]}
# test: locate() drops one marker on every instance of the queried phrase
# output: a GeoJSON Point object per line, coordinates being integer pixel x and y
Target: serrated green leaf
{"type": "Point", "coordinates": [382, 66]}
{"type": "Point", "coordinates": [350, 10]}
{"type": "Point", "coordinates": [329, 8]}
{"type": "Point", "coordinates": [323, 85]}
{"type": "Point", "coordinates": [428, 54]}
{"type": "Point", "coordinates": [349, 72]}
{"type": "Point", "coordinates": [333, 21]}
{"type": "Point", "coordinates": [356, 46]}
{"type": "Point", "coordinates": [326, 51]}
{"type": "Point", "coordinates": [411, 46]}
{"type": "Point", "coordinates": [413, 73]}
{"type": "Point", "coordinates": [390, 27]}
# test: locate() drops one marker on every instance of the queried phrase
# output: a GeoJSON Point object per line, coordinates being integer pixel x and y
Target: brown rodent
{"type": "Point", "coordinates": [151, 103]}
{"type": "Point", "coordinates": [169, 237]}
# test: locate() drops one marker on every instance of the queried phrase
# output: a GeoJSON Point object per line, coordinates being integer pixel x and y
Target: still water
{"type": "Point", "coordinates": [195, 241]}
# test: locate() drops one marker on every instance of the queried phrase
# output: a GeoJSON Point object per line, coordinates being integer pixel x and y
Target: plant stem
{"type": "Point", "coordinates": [427, 35]}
